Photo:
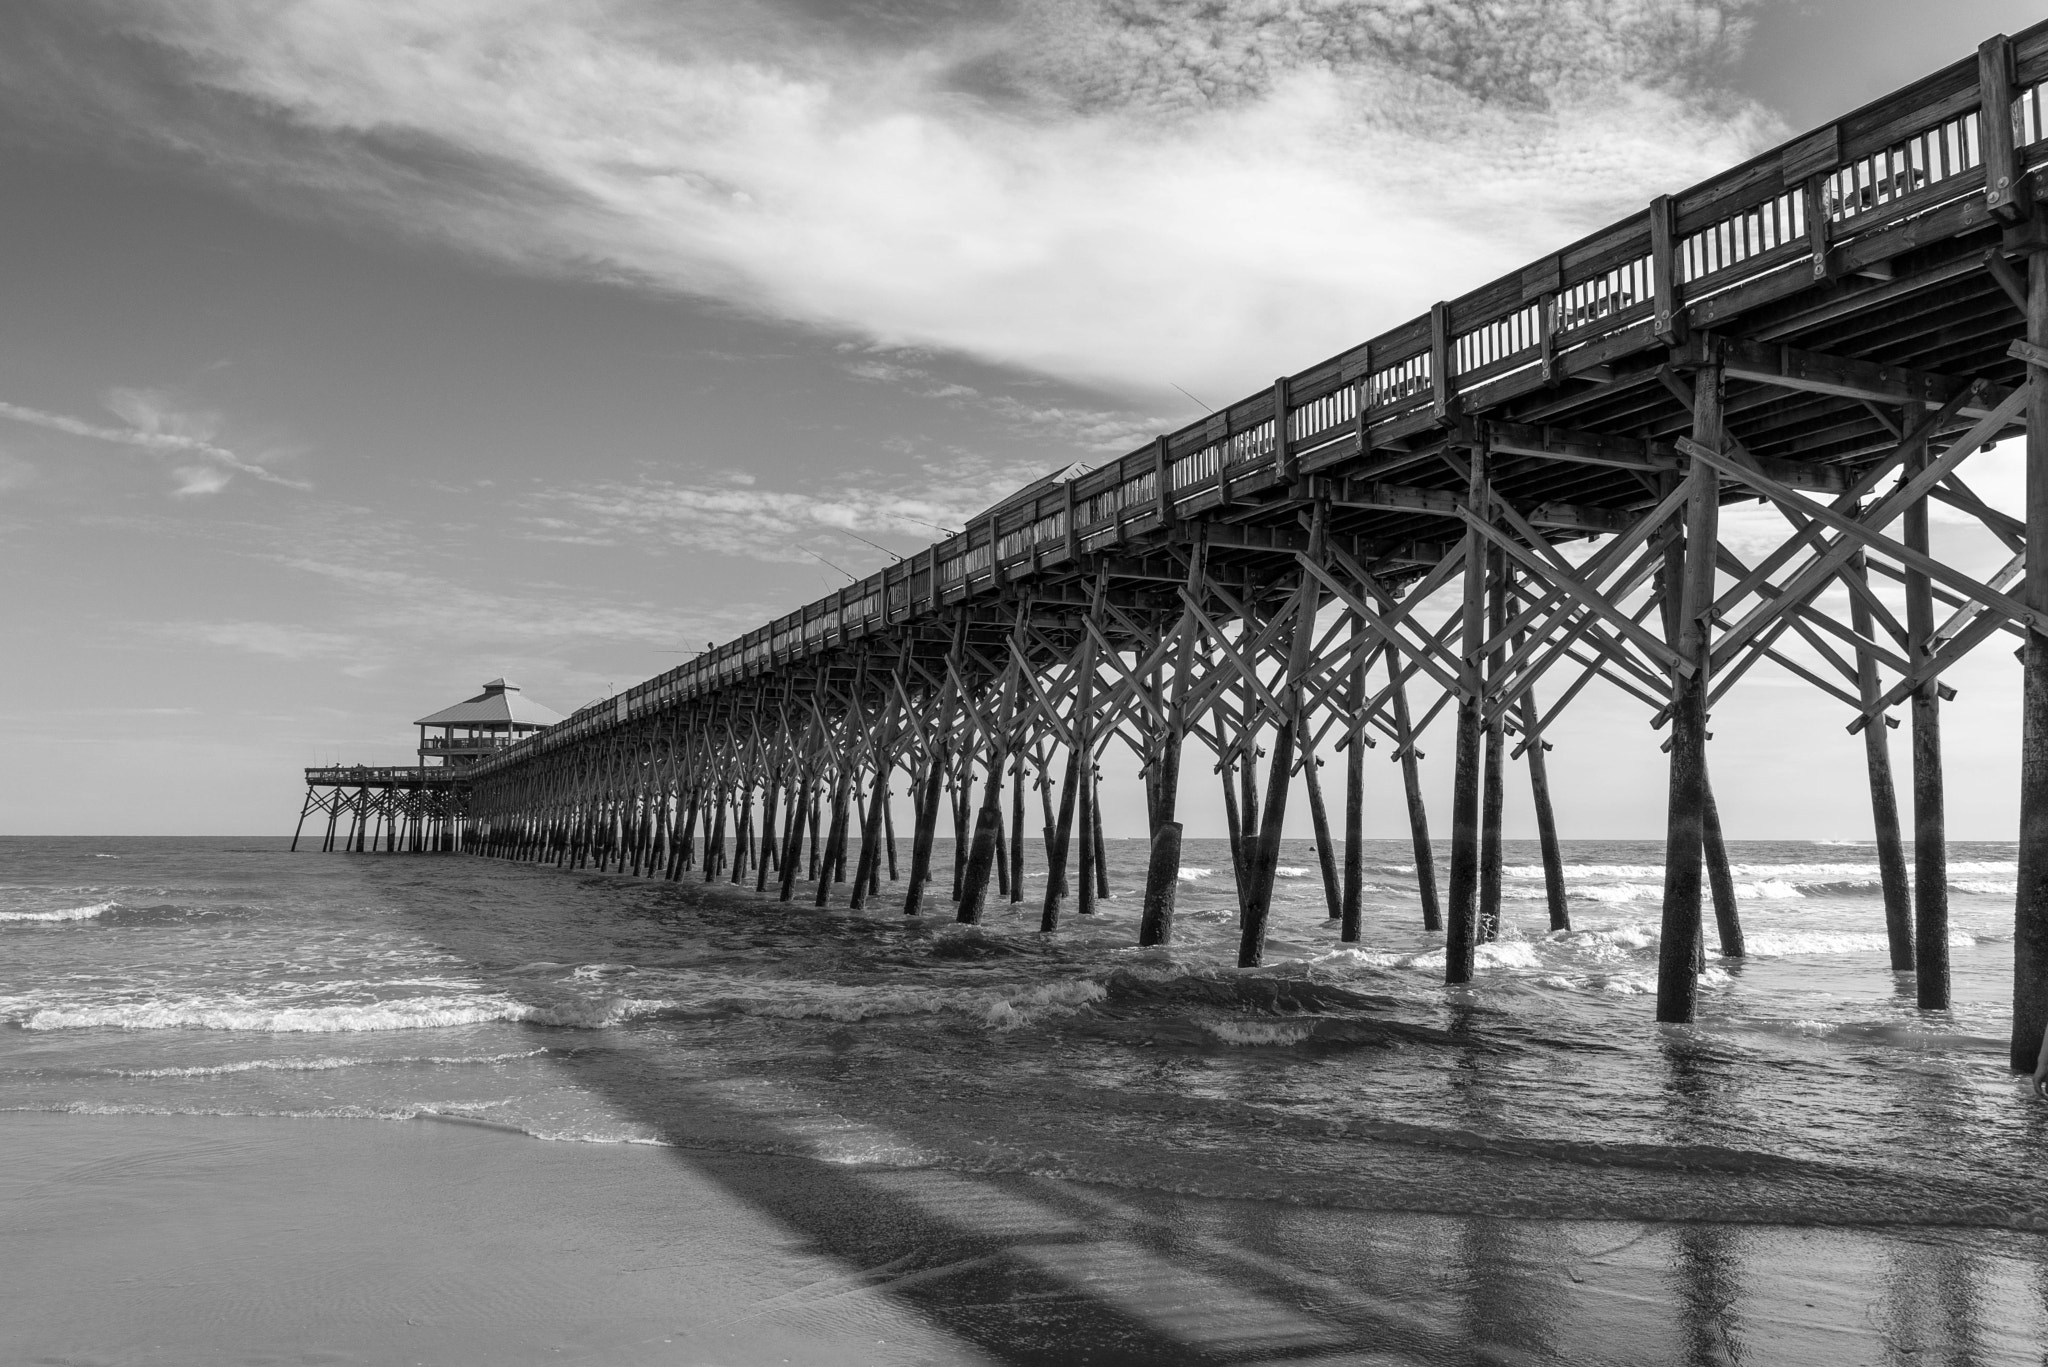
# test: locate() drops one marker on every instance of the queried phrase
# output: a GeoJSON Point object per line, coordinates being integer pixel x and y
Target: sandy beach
{"type": "Point", "coordinates": [174, 1240]}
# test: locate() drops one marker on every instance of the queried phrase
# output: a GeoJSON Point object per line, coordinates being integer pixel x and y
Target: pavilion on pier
{"type": "Point", "coordinates": [482, 726]}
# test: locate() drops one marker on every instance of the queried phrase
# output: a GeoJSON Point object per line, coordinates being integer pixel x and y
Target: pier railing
{"type": "Point", "coordinates": [384, 775]}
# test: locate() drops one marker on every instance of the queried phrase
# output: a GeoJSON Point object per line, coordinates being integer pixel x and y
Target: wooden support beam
{"type": "Point", "coordinates": [1714, 852]}
{"type": "Point", "coordinates": [1576, 447]}
{"type": "Point", "coordinates": [1411, 786]}
{"type": "Point", "coordinates": [2030, 905]}
{"type": "Point", "coordinates": [1578, 517]}
{"type": "Point", "coordinates": [1286, 720]}
{"type": "Point", "coordinates": [1350, 910]}
{"type": "Point", "coordinates": [1535, 748]}
{"type": "Point", "coordinates": [1694, 559]}
{"type": "Point", "coordinates": [1319, 821]}
{"type": "Point", "coordinates": [1385, 497]}
{"type": "Point", "coordinates": [1884, 804]}
{"type": "Point", "coordinates": [1930, 827]}
{"type": "Point", "coordinates": [1584, 593]}
{"type": "Point", "coordinates": [1916, 560]}
{"type": "Point", "coordinates": [1843, 377]}
{"type": "Point", "coordinates": [1461, 934]}
{"type": "Point", "coordinates": [2006, 193]}
{"type": "Point", "coordinates": [1824, 564]}
{"type": "Point", "coordinates": [1493, 777]}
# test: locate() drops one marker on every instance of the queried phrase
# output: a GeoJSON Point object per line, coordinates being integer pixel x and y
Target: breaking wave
{"type": "Point", "coordinates": [321, 1065]}
{"type": "Point", "coordinates": [85, 913]}
{"type": "Point", "coordinates": [409, 1013]}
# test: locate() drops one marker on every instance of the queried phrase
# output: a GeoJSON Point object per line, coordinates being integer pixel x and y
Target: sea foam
{"type": "Point", "coordinates": [85, 913]}
{"type": "Point", "coordinates": [407, 1013]}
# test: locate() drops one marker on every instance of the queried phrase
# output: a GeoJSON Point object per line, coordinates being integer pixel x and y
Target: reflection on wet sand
{"type": "Point", "coordinates": [1037, 1269]}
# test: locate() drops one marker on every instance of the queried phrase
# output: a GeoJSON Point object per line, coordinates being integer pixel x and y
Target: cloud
{"type": "Point", "coordinates": [443, 611]}
{"type": "Point", "coordinates": [200, 479]}
{"type": "Point", "coordinates": [1131, 193]}
{"type": "Point", "coordinates": [776, 525]}
{"type": "Point", "coordinates": [262, 638]}
{"type": "Point", "coordinates": [154, 425]}
{"type": "Point", "coordinates": [15, 473]}
{"type": "Point", "coordinates": [1103, 430]}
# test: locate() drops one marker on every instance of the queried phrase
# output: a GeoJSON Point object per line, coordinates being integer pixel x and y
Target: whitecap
{"type": "Point", "coordinates": [1621, 892]}
{"type": "Point", "coordinates": [318, 1065]}
{"type": "Point", "coordinates": [408, 1013]}
{"type": "Point", "coordinates": [1011, 1012]}
{"type": "Point", "coordinates": [1506, 954]}
{"type": "Point", "coordinates": [1772, 944]}
{"type": "Point", "coordinates": [85, 913]}
{"type": "Point", "coordinates": [848, 1004]}
{"type": "Point", "coordinates": [1259, 1033]}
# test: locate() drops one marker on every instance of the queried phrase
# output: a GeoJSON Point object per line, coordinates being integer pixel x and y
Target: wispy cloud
{"type": "Point", "coordinates": [15, 473]}
{"type": "Point", "coordinates": [156, 425]}
{"type": "Point", "coordinates": [416, 605]}
{"type": "Point", "coordinates": [1090, 429]}
{"type": "Point", "coordinates": [715, 514]}
{"type": "Point", "coordinates": [1134, 193]}
{"type": "Point", "coordinates": [278, 640]}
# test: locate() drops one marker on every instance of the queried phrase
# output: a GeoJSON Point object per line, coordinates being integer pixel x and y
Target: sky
{"type": "Point", "coordinates": [353, 353]}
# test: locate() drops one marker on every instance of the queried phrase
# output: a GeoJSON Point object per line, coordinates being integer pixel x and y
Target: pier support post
{"type": "Point", "coordinates": [1884, 799]}
{"type": "Point", "coordinates": [1326, 851]}
{"type": "Point", "coordinates": [1493, 786]}
{"type": "Point", "coordinates": [889, 835]}
{"type": "Point", "coordinates": [1461, 934]}
{"type": "Point", "coordinates": [714, 844]}
{"type": "Point", "coordinates": [1233, 828]}
{"type": "Point", "coordinates": [1080, 770]}
{"type": "Point", "coordinates": [867, 868]}
{"type": "Point", "coordinates": [988, 822]}
{"type": "Point", "coordinates": [1002, 864]}
{"type": "Point", "coordinates": [2030, 906]}
{"type": "Point", "coordinates": [1062, 835]}
{"type": "Point", "coordinates": [1162, 871]}
{"type": "Point", "coordinates": [1714, 850]}
{"type": "Point", "coordinates": [1351, 908]}
{"type": "Point", "coordinates": [1016, 829]}
{"type": "Point", "coordinates": [981, 859]}
{"type": "Point", "coordinates": [769, 849]}
{"type": "Point", "coordinates": [835, 835]}
{"type": "Point", "coordinates": [1085, 865]}
{"type": "Point", "coordinates": [1095, 831]}
{"type": "Point", "coordinates": [1251, 949]}
{"type": "Point", "coordinates": [1930, 822]}
{"type": "Point", "coordinates": [1411, 789]}
{"type": "Point", "coordinates": [923, 833]}
{"type": "Point", "coordinates": [1546, 820]}
{"type": "Point", "coordinates": [1162, 876]}
{"type": "Point", "coordinates": [1689, 574]}
{"type": "Point", "coordinates": [307, 807]}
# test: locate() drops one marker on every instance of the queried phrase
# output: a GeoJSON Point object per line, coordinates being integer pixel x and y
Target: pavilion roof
{"type": "Point", "coordinates": [500, 703]}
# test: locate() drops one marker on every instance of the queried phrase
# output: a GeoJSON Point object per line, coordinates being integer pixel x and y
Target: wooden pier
{"type": "Point", "coordinates": [1831, 329]}
{"type": "Point", "coordinates": [386, 807]}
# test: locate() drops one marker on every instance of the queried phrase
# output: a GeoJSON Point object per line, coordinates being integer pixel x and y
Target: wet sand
{"type": "Point", "coordinates": [204, 1239]}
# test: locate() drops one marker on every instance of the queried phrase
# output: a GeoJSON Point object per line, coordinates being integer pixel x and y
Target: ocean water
{"type": "Point", "coordinates": [227, 979]}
